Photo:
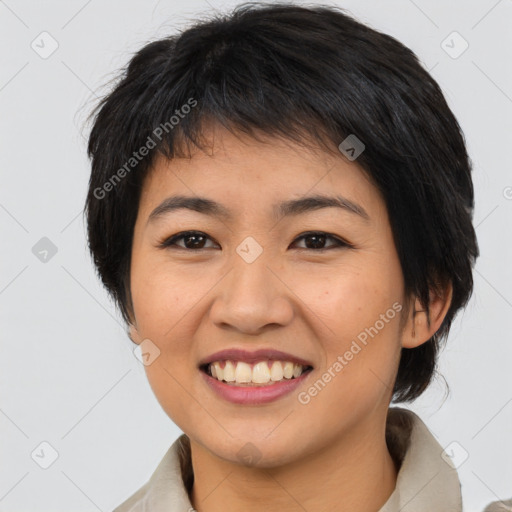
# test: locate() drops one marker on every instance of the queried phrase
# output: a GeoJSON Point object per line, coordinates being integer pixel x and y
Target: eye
{"type": "Point", "coordinates": [318, 238]}
{"type": "Point", "coordinates": [196, 240]}
{"type": "Point", "coordinates": [192, 240]}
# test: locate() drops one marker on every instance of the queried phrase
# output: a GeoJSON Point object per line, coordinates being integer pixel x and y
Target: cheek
{"type": "Point", "coordinates": [169, 384]}
{"type": "Point", "coordinates": [164, 313]}
{"type": "Point", "coordinates": [348, 300]}
{"type": "Point", "coordinates": [361, 360]}
{"type": "Point", "coordinates": [359, 331]}
{"type": "Point", "coordinates": [162, 295]}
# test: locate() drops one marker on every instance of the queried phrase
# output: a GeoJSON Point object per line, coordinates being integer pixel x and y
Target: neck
{"type": "Point", "coordinates": [357, 471]}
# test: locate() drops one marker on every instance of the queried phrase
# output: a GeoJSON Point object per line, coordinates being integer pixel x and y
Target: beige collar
{"type": "Point", "coordinates": [425, 481]}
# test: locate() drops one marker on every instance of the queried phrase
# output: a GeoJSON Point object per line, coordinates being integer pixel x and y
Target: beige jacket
{"type": "Point", "coordinates": [426, 481]}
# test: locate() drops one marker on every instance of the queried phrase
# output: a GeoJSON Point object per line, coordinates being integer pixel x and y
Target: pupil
{"type": "Point", "coordinates": [320, 238]}
{"type": "Point", "coordinates": [196, 243]}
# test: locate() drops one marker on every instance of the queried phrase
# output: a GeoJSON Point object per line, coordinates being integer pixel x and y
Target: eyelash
{"type": "Point", "coordinates": [170, 242]}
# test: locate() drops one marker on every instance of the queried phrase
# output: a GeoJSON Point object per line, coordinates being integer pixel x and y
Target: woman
{"type": "Point", "coordinates": [281, 205]}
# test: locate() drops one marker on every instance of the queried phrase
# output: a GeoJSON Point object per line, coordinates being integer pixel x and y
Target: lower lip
{"type": "Point", "coordinates": [252, 395]}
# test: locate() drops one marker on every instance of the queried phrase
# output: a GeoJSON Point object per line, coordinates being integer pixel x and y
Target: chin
{"type": "Point", "coordinates": [257, 452]}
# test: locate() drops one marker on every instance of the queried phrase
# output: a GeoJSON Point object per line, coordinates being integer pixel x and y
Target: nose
{"type": "Point", "coordinates": [252, 298]}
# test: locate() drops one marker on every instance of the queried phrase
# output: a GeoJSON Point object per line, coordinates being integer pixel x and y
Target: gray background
{"type": "Point", "coordinates": [68, 375]}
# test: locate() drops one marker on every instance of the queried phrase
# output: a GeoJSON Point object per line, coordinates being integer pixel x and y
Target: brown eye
{"type": "Point", "coordinates": [197, 240]}
{"type": "Point", "coordinates": [193, 240]}
{"type": "Point", "coordinates": [317, 240]}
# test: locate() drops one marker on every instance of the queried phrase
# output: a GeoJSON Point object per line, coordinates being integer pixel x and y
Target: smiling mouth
{"type": "Point", "coordinates": [261, 373]}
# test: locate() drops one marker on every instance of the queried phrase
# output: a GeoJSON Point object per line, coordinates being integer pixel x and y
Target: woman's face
{"type": "Point", "coordinates": [251, 282]}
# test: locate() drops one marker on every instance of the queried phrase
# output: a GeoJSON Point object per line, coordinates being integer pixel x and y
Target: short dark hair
{"type": "Point", "coordinates": [306, 74]}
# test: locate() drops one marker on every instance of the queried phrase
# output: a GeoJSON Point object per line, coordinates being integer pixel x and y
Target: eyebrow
{"type": "Point", "coordinates": [285, 209]}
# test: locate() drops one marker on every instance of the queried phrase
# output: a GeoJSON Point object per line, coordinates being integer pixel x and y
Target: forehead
{"type": "Point", "coordinates": [244, 173]}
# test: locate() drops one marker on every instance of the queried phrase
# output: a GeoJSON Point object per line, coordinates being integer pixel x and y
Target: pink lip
{"type": "Point", "coordinates": [252, 357]}
{"type": "Point", "coordinates": [253, 395]}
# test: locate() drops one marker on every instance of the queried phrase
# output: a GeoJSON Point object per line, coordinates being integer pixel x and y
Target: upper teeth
{"type": "Point", "coordinates": [259, 373]}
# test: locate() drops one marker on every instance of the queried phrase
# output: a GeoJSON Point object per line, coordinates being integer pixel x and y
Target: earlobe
{"type": "Point", "coordinates": [133, 334]}
{"type": "Point", "coordinates": [420, 327]}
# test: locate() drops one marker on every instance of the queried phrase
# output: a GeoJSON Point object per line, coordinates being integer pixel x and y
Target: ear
{"type": "Point", "coordinates": [417, 328]}
{"type": "Point", "coordinates": [133, 334]}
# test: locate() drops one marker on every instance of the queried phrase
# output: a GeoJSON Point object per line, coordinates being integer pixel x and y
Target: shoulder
{"type": "Point", "coordinates": [427, 479]}
{"type": "Point", "coordinates": [165, 490]}
{"type": "Point", "coordinates": [135, 503]}
{"type": "Point", "coordinates": [499, 506]}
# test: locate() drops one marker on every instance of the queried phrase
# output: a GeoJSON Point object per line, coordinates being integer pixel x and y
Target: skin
{"type": "Point", "coordinates": [191, 303]}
